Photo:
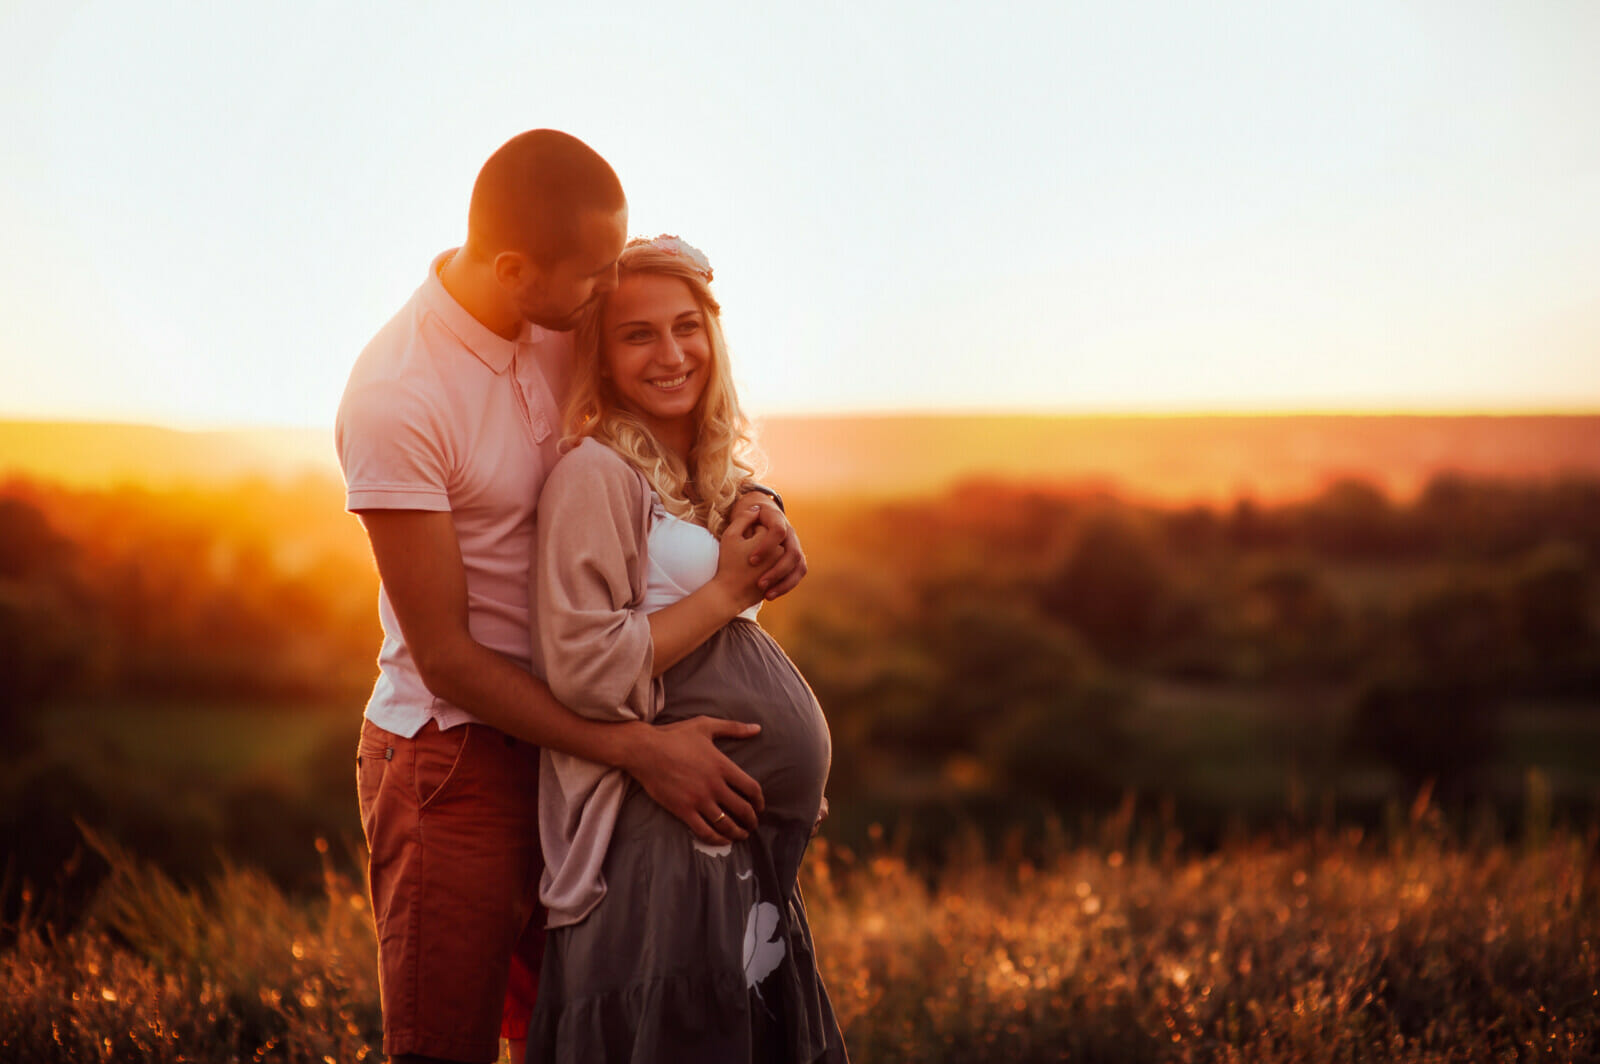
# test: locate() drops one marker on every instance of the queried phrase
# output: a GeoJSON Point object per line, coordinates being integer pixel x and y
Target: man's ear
{"type": "Point", "coordinates": [512, 269]}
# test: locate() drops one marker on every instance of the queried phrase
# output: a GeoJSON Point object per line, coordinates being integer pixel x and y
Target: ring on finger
{"type": "Point", "coordinates": [719, 817]}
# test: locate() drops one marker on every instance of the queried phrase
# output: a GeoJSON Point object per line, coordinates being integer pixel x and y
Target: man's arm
{"type": "Point", "coordinates": [419, 562]}
{"type": "Point", "coordinates": [787, 565]}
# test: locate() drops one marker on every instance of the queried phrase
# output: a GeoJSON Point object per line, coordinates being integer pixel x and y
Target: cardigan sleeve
{"type": "Point", "coordinates": [588, 581]}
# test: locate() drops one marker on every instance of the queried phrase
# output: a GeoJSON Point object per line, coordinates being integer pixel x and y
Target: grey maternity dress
{"type": "Point", "coordinates": [691, 953]}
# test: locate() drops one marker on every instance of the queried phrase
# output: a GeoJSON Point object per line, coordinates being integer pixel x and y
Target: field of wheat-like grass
{"type": "Point", "coordinates": [1328, 947]}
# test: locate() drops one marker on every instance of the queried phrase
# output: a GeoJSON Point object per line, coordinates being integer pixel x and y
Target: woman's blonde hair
{"type": "Point", "coordinates": [723, 457]}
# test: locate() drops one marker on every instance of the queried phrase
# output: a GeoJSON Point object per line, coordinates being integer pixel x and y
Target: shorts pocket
{"type": "Point", "coordinates": [374, 755]}
{"type": "Point", "coordinates": [438, 756]}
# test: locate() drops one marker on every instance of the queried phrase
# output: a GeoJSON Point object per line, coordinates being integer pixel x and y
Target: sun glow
{"type": "Point", "coordinates": [1142, 208]}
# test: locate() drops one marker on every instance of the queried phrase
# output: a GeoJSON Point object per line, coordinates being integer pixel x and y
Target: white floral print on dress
{"type": "Point", "coordinates": [763, 951]}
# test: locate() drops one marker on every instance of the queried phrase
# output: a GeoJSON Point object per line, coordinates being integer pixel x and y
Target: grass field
{"type": "Point", "coordinates": [1118, 941]}
{"type": "Point", "coordinates": [1328, 948]}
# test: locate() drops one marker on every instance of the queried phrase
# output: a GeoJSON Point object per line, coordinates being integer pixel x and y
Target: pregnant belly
{"type": "Point", "coordinates": [741, 673]}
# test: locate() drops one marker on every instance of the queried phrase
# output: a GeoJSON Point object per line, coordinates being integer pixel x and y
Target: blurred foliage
{"type": "Point", "coordinates": [259, 589]}
{"type": "Point", "coordinates": [1000, 654]}
{"type": "Point", "coordinates": [1006, 647]}
{"type": "Point", "coordinates": [47, 624]}
{"type": "Point", "coordinates": [1082, 718]}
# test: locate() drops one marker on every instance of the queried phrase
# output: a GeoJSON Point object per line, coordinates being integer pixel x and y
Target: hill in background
{"type": "Point", "coordinates": [92, 454]}
{"type": "Point", "coordinates": [1171, 459]}
{"type": "Point", "coordinates": [1163, 458]}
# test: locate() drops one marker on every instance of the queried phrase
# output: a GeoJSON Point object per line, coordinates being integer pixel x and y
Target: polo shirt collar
{"type": "Point", "coordinates": [490, 348]}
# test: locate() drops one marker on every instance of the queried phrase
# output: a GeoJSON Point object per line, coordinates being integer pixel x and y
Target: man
{"type": "Point", "coordinates": [447, 429]}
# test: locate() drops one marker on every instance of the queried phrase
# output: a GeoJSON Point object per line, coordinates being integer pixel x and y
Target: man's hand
{"type": "Point", "coordinates": [786, 563]}
{"type": "Point", "coordinates": [744, 538]}
{"type": "Point", "coordinates": [682, 769]}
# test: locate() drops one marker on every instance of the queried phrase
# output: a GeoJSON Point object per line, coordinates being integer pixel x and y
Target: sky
{"type": "Point", "coordinates": [1380, 205]}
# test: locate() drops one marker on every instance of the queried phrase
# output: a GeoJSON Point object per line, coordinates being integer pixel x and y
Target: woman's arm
{"type": "Point", "coordinates": [677, 629]}
{"type": "Point", "coordinates": [595, 649]}
{"type": "Point", "coordinates": [587, 572]}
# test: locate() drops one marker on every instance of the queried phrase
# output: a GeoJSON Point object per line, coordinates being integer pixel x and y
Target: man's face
{"type": "Point", "coordinates": [555, 298]}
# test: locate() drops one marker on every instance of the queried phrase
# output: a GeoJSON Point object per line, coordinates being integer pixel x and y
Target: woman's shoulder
{"type": "Point", "coordinates": [591, 457]}
{"type": "Point", "coordinates": [592, 467]}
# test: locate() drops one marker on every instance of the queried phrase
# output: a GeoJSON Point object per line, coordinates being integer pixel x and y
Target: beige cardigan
{"type": "Point", "coordinates": [591, 643]}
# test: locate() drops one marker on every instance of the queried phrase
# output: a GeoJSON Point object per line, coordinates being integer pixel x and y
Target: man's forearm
{"type": "Point", "coordinates": [505, 696]}
{"type": "Point", "coordinates": [419, 562]}
{"type": "Point", "coordinates": [678, 764]}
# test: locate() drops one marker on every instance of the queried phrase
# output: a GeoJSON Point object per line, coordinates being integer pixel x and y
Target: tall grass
{"type": "Point", "coordinates": [1327, 947]}
{"type": "Point", "coordinates": [233, 972]}
{"type": "Point", "coordinates": [1323, 949]}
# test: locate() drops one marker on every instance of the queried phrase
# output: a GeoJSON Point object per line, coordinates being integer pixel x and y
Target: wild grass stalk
{"type": "Point", "coordinates": [1322, 948]}
{"type": "Point", "coordinates": [159, 972]}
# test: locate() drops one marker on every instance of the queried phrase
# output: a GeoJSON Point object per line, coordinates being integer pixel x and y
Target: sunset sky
{"type": "Point", "coordinates": [1061, 206]}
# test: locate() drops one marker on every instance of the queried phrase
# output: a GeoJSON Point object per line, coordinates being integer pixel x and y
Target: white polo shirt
{"type": "Point", "coordinates": [442, 414]}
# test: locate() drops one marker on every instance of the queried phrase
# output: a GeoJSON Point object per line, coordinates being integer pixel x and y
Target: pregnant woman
{"type": "Point", "coordinates": [663, 948]}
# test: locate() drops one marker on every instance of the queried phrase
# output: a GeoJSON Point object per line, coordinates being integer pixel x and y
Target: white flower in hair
{"type": "Point", "coordinates": [683, 249]}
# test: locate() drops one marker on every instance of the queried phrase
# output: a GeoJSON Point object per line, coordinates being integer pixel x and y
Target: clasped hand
{"type": "Point", "coordinates": [782, 562]}
{"type": "Point", "coordinates": [743, 546]}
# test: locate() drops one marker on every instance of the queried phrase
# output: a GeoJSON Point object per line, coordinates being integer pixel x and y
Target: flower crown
{"type": "Point", "coordinates": [681, 248]}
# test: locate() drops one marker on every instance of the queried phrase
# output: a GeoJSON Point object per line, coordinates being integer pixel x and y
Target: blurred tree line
{"type": "Point", "coordinates": [1005, 647]}
{"type": "Point", "coordinates": [259, 590]}
{"type": "Point", "coordinates": [997, 654]}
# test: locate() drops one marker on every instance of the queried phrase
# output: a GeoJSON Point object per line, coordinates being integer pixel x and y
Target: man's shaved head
{"type": "Point", "coordinates": [533, 194]}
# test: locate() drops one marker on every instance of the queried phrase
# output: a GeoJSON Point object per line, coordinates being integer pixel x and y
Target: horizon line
{"type": "Point", "coordinates": [943, 413]}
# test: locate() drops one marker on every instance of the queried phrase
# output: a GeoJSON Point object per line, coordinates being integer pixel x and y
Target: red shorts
{"type": "Point", "coordinates": [451, 820]}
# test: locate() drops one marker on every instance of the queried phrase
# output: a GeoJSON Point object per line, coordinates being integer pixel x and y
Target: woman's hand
{"type": "Point", "coordinates": [784, 566]}
{"type": "Point", "coordinates": [677, 629]}
{"type": "Point", "coordinates": [744, 537]}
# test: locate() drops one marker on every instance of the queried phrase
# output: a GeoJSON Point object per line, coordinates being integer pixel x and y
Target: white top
{"type": "Point", "coordinates": [683, 557]}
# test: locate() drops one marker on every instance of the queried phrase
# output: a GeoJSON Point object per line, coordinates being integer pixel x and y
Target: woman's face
{"type": "Point", "coordinates": [657, 352]}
